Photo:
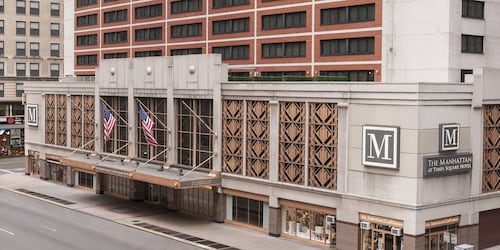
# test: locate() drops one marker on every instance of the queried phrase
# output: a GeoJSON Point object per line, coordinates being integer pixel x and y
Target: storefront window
{"type": "Point", "coordinates": [380, 237]}
{"type": "Point", "coordinates": [85, 179]}
{"type": "Point", "coordinates": [308, 224]}
{"type": "Point", "coordinates": [441, 234]}
{"type": "Point", "coordinates": [247, 211]}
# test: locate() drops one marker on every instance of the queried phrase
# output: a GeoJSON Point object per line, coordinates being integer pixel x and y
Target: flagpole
{"type": "Point", "coordinates": [154, 157]}
{"type": "Point", "coordinates": [149, 111]}
{"type": "Point", "coordinates": [109, 155]}
{"type": "Point", "coordinates": [79, 148]}
{"type": "Point", "coordinates": [199, 165]}
{"type": "Point", "coordinates": [114, 111]}
{"type": "Point", "coordinates": [199, 118]}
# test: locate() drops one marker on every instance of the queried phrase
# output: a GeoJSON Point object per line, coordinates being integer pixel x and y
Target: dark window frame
{"type": "Point", "coordinates": [284, 20]}
{"type": "Point", "coordinates": [472, 44]}
{"type": "Point", "coordinates": [229, 26]}
{"type": "Point", "coordinates": [348, 14]}
{"type": "Point", "coordinates": [473, 9]}
{"type": "Point", "coordinates": [283, 50]}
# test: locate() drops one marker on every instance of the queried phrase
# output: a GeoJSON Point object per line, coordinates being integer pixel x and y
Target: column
{"type": "Point", "coordinates": [275, 221]}
{"type": "Point", "coordinates": [347, 235]}
{"type": "Point", "coordinates": [70, 176]}
{"type": "Point", "coordinates": [219, 205]}
{"type": "Point", "coordinates": [99, 183]}
{"type": "Point", "coordinates": [44, 169]}
{"type": "Point", "coordinates": [173, 199]}
{"type": "Point", "coordinates": [136, 190]}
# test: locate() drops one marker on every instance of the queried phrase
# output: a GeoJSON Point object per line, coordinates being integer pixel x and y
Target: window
{"type": "Point", "coordinates": [116, 16]}
{"type": "Point", "coordinates": [2, 69]}
{"type": "Point", "coordinates": [473, 9]}
{"type": "Point", "coordinates": [86, 179]}
{"type": "Point", "coordinates": [148, 34]}
{"type": "Point", "coordinates": [472, 44]}
{"type": "Point", "coordinates": [82, 3]}
{"type": "Point", "coordinates": [20, 49]}
{"type": "Point", "coordinates": [464, 72]}
{"type": "Point", "coordinates": [148, 53]}
{"type": "Point", "coordinates": [184, 6]}
{"type": "Point", "coordinates": [349, 14]}
{"type": "Point", "coordinates": [348, 46]}
{"type": "Point", "coordinates": [35, 49]}
{"type": "Point", "coordinates": [185, 30]}
{"type": "Point", "coordinates": [231, 26]}
{"type": "Point", "coordinates": [19, 89]}
{"type": "Point", "coordinates": [54, 29]}
{"type": "Point", "coordinates": [2, 25]}
{"type": "Point", "coordinates": [55, 9]}
{"type": "Point", "coordinates": [1, 5]}
{"type": "Point", "coordinates": [86, 60]}
{"type": "Point", "coordinates": [20, 69]}
{"type": "Point", "coordinates": [276, 50]}
{"type": "Point", "coordinates": [233, 52]}
{"type": "Point", "coordinates": [286, 20]}
{"type": "Point", "coordinates": [2, 94]}
{"type": "Point", "coordinates": [352, 75]}
{"type": "Point", "coordinates": [247, 211]}
{"type": "Point", "coordinates": [34, 28]}
{"type": "Point", "coordinates": [148, 11]}
{"type": "Point", "coordinates": [1, 48]}
{"type": "Point", "coordinates": [194, 138]}
{"type": "Point", "coordinates": [54, 49]}
{"type": "Point", "coordinates": [20, 7]}
{"type": "Point", "coordinates": [229, 3]}
{"type": "Point", "coordinates": [178, 52]}
{"type": "Point", "coordinates": [115, 37]}
{"type": "Point", "coordinates": [20, 28]}
{"type": "Point", "coordinates": [86, 20]}
{"type": "Point", "coordinates": [34, 69]}
{"type": "Point", "coordinates": [86, 40]}
{"type": "Point", "coordinates": [34, 8]}
{"type": "Point", "coordinates": [54, 70]}
{"type": "Point", "coordinates": [116, 55]}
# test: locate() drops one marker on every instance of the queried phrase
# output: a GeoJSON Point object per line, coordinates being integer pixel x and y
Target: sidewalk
{"type": "Point", "coordinates": [181, 227]}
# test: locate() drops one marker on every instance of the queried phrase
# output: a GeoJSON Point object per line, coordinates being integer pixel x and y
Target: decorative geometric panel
{"type": "Point", "coordinates": [292, 142]}
{"type": "Point", "coordinates": [491, 148]}
{"type": "Point", "coordinates": [50, 119]}
{"type": "Point", "coordinates": [76, 121]}
{"type": "Point", "coordinates": [323, 145]}
{"type": "Point", "coordinates": [232, 136]}
{"type": "Point", "coordinates": [258, 139]}
{"type": "Point", "coordinates": [89, 121]}
{"type": "Point", "coordinates": [61, 120]}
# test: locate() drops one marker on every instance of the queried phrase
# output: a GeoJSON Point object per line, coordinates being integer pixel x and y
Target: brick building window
{"type": "Point", "coordinates": [86, 40]}
{"type": "Point", "coordinates": [229, 3]}
{"type": "Point", "coordinates": [116, 16]}
{"type": "Point", "coordinates": [232, 52]}
{"type": "Point", "coordinates": [290, 49]}
{"type": "Point", "coordinates": [184, 6]}
{"type": "Point", "coordinates": [231, 26]}
{"type": "Point", "coordinates": [189, 51]}
{"type": "Point", "coordinates": [149, 11]}
{"type": "Point", "coordinates": [186, 30]}
{"type": "Point", "coordinates": [349, 14]}
{"type": "Point", "coordinates": [115, 37]}
{"type": "Point", "coordinates": [347, 46]}
{"type": "Point", "coordinates": [86, 60]}
{"type": "Point", "coordinates": [86, 20]}
{"type": "Point", "coordinates": [282, 21]}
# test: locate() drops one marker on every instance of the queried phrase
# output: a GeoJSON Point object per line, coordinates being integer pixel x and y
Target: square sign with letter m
{"type": "Point", "coordinates": [381, 146]}
{"type": "Point", "coordinates": [449, 137]}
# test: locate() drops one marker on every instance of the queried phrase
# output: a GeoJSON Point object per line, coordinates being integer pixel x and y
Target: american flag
{"type": "Point", "coordinates": [109, 123]}
{"type": "Point", "coordinates": [147, 127]}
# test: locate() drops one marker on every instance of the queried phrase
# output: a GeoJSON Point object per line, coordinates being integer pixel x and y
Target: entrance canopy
{"type": "Point", "coordinates": [165, 175]}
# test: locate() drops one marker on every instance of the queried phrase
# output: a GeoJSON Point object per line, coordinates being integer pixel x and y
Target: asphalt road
{"type": "Point", "coordinates": [27, 223]}
{"type": "Point", "coordinates": [12, 165]}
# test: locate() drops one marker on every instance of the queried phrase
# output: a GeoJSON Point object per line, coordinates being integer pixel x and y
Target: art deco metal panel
{"type": "Point", "coordinates": [89, 122]}
{"type": "Point", "coordinates": [292, 142]}
{"type": "Point", "coordinates": [61, 120]}
{"type": "Point", "coordinates": [76, 121]}
{"type": "Point", "coordinates": [258, 139]}
{"type": "Point", "coordinates": [491, 148]}
{"type": "Point", "coordinates": [232, 136]}
{"type": "Point", "coordinates": [50, 119]}
{"type": "Point", "coordinates": [323, 145]}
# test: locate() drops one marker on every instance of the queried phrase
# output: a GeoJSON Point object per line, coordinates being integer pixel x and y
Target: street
{"type": "Point", "coordinates": [12, 165]}
{"type": "Point", "coordinates": [27, 223]}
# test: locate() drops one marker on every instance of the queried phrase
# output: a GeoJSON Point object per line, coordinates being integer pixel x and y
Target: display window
{"type": "Point", "coordinates": [248, 211]}
{"type": "Point", "coordinates": [380, 233]}
{"type": "Point", "coordinates": [307, 223]}
{"type": "Point", "coordinates": [441, 234]}
{"type": "Point", "coordinates": [84, 179]}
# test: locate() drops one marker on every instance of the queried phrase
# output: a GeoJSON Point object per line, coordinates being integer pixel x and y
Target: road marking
{"type": "Point", "coordinates": [48, 228]}
{"type": "Point", "coordinates": [10, 162]}
{"type": "Point", "coordinates": [7, 171]}
{"type": "Point", "coordinates": [5, 231]}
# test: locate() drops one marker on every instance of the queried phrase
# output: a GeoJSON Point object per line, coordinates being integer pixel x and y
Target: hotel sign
{"type": "Point", "coordinates": [449, 137]}
{"type": "Point", "coordinates": [32, 115]}
{"type": "Point", "coordinates": [381, 146]}
{"type": "Point", "coordinates": [200, 183]}
{"type": "Point", "coordinates": [447, 164]}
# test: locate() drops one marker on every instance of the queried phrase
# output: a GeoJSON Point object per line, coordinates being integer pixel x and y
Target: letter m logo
{"type": "Point", "coordinates": [449, 137]}
{"type": "Point", "coordinates": [381, 146]}
{"type": "Point", "coordinates": [32, 116]}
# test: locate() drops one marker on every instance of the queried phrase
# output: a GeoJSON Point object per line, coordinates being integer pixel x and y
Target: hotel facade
{"type": "Point", "coordinates": [337, 164]}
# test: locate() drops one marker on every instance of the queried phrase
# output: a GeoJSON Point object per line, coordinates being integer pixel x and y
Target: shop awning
{"type": "Point", "coordinates": [150, 173]}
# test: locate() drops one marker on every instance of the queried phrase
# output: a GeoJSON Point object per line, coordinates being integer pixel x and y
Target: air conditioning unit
{"type": "Point", "coordinates": [396, 231]}
{"type": "Point", "coordinates": [464, 247]}
{"type": "Point", "coordinates": [330, 219]}
{"type": "Point", "coordinates": [365, 225]}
